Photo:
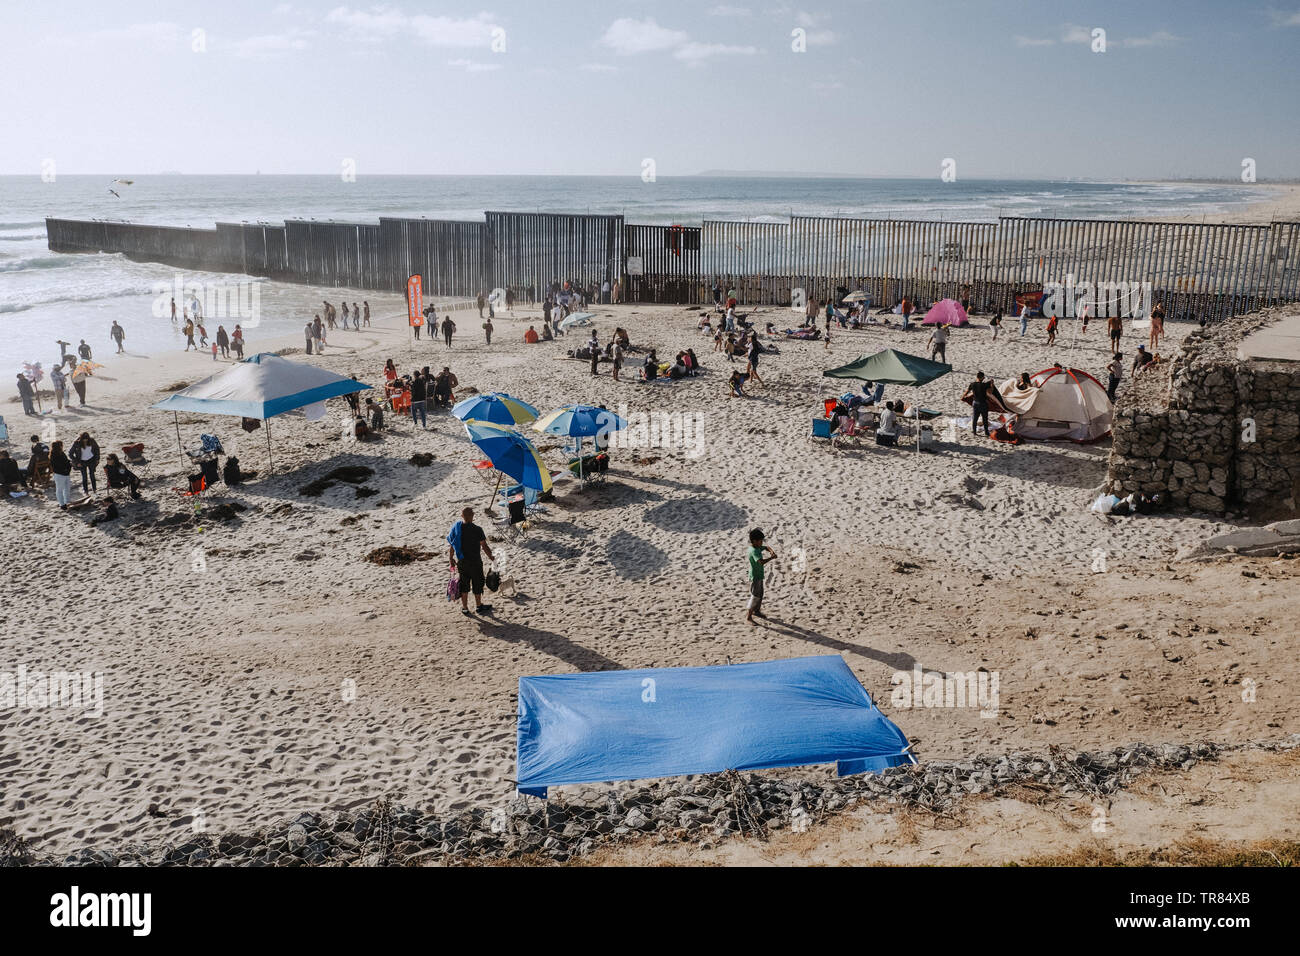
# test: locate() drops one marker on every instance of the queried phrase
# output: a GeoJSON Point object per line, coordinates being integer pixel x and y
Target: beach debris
{"type": "Point", "coordinates": [364, 492]}
{"type": "Point", "coordinates": [174, 387]}
{"type": "Point", "coordinates": [350, 474]}
{"type": "Point", "coordinates": [422, 459]}
{"type": "Point", "coordinates": [702, 810]}
{"type": "Point", "coordinates": [390, 555]}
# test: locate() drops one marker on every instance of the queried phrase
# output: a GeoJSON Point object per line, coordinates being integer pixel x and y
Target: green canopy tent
{"type": "Point", "coordinates": [893, 367]}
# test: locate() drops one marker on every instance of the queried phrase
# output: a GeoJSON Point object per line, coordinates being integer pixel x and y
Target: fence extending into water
{"type": "Point", "coordinates": [1195, 269]}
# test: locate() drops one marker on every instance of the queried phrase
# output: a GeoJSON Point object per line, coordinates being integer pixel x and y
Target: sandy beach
{"type": "Point", "coordinates": [256, 665]}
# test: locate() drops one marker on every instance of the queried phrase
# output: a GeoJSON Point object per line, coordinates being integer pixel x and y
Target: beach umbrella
{"type": "Point", "coordinates": [510, 453]}
{"type": "Point", "coordinates": [576, 319]}
{"type": "Point", "coordinates": [946, 312]}
{"type": "Point", "coordinates": [495, 407]}
{"type": "Point", "coordinates": [579, 421]}
{"type": "Point", "coordinates": [858, 296]}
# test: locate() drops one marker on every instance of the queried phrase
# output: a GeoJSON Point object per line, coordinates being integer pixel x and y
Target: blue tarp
{"type": "Point", "coordinates": [664, 722]}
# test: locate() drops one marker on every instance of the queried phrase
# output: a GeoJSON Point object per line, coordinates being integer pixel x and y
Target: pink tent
{"type": "Point", "coordinates": [946, 312]}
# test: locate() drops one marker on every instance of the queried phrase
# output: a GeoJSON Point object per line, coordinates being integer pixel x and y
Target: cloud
{"type": "Point", "coordinates": [1159, 38]}
{"type": "Point", "coordinates": [598, 68]}
{"type": "Point", "coordinates": [695, 52]}
{"type": "Point", "coordinates": [384, 22]}
{"type": "Point", "coordinates": [270, 44]}
{"type": "Point", "coordinates": [1071, 33]}
{"type": "Point", "coordinates": [835, 85]}
{"type": "Point", "coordinates": [626, 37]}
{"type": "Point", "coordinates": [157, 34]}
{"type": "Point", "coordinates": [473, 66]}
{"type": "Point", "coordinates": [1283, 18]}
{"type": "Point", "coordinates": [724, 10]}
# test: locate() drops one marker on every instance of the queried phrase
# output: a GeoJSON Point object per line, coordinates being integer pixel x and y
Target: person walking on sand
{"type": "Point", "coordinates": [977, 392]}
{"type": "Point", "coordinates": [487, 330]}
{"type": "Point", "coordinates": [1024, 319]}
{"type": "Point", "coordinates": [1115, 324]}
{"type": "Point", "coordinates": [27, 394]}
{"type": "Point", "coordinates": [223, 341]}
{"type": "Point", "coordinates": [309, 334]}
{"type": "Point", "coordinates": [1116, 371]}
{"type": "Point", "coordinates": [593, 346]}
{"type": "Point", "coordinates": [60, 384]}
{"type": "Point", "coordinates": [117, 334]}
{"type": "Point", "coordinates": [468, 544]}
{"type": "Point", "coordinates": [203, 335]}
{"type": "Point", "coordinates": [345, 314]}
{"type": "Point", "coordinates": [356, 318]}
{"type": "Point", "coordinates": [173, 311]}
{"type": "Point", "coordinates": [1051, 329]}
{"type": "Point", "coordinates": [758, 555]}
{"type": "Point", "coordinates": [79, 386]}
{"type": "Point", "coordinates": [61, 467]}
{"type": "Point", "coordinates": [755, 350]}
{"type": "Point", "coordinates": [618, 356]}
{"type": "Point", "coordinates": [480, 301]}
{"type": "Point", "coordinates": [1157, 326]}
{"type": "Point", "coordinates": [995, 323]}
{"type": "Point", "coordinates": [85, 456]}
{"type": "Point", "coordinates": [366, 317]}
{"type": "Point", "coordinates": [318, 334]}
{"type": "Point", "coordinates": [448, 327]}
{"type": "Point", "coordinates": [237, 342]}
{"type": "Point", "coordinates": [939, 344]}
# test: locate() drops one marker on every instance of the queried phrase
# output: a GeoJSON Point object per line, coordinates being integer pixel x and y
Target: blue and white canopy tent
{"type": "Point", "coordinates": [261, 386]}
{"type": "Point", "coordinates": [669, 721]}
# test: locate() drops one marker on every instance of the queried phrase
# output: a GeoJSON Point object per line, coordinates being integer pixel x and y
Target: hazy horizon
{"type": "Point", "coordinates": [1001, 90]}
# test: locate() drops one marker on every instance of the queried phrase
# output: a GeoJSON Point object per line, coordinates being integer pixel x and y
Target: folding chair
{"type": "Point", "coordinates": [515, 523]}
{"type": "Point", "coordinates": [821, 428]}
{"type": "Point", "coordinates": [133, 457]}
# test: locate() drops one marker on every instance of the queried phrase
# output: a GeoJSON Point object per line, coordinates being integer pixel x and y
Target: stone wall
{"type": "Point", "coordinates": [1186, 429]}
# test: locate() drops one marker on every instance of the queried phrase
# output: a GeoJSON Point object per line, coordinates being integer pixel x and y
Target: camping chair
{"type": "Point", "coordinates": [133, 457]}
{"type": "Point", "coordinates": [4, 432]}
{"type": "Point", "coordinates": [848, 434]}
{"type": "Point", "coordinates": [591, 469]}
{"type": "Point", "coordinates": [514, 525]}
{"type": "Point", "coordinates": [529, 496]}
{"type": "Point", "coordinates": [821, 428]}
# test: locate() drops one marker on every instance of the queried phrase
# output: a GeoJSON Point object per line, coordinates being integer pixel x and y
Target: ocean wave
{"type": "Point", "coordinates": [47, 262]}
{"type": "Point", "coordinates": [6, 226]}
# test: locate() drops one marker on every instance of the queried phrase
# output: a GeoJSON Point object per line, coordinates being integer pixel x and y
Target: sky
{"type": "Point", "coordinates": [1005, 89]}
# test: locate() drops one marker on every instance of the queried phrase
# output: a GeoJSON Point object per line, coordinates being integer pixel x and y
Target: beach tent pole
{"type": "Point", "coordinates": [177, 421]}
{"type": "Point", "coordinates": [269, 458]}
{"type": "Point", "coordinates": [493, 500]}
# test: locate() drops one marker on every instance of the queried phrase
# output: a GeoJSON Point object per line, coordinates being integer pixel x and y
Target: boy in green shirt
{"type": "Point", "coordinates": [757, 559]}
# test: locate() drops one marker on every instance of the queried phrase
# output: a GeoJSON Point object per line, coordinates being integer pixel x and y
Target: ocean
{"type": "Point", "coordinates": [46, 296]}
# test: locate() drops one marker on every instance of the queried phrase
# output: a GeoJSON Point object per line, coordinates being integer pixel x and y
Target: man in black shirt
{"type": "Point", "coordinates": [468, 545]}
{"type": "Point", "coordinates": [977, 392]}
{"type": "Point", "coordinates": [419, 397]}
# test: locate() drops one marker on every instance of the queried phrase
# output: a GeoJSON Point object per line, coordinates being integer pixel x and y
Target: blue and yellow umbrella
{"type": "Point", "coordinates": [495, 407]}
{"type": "Point", "coordinates": [579, 421]}
{"type": "Point", "coordinates": [510, 453]}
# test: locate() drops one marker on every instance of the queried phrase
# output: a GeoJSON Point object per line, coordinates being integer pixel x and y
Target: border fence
{"type": "Point", "coordinates": [1196, 270]}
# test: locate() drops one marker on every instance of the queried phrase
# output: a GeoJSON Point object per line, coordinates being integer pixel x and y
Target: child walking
{"type": "Point", "coordinates": [759, 554]}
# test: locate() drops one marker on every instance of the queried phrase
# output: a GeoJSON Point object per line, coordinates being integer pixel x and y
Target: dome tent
{"type": "Point", "coordinates": [1062, 404]}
